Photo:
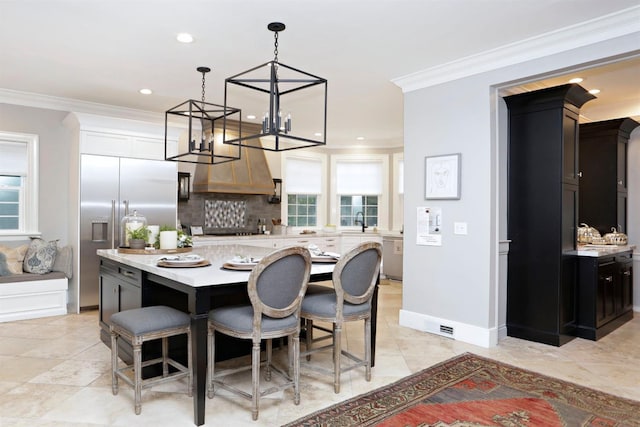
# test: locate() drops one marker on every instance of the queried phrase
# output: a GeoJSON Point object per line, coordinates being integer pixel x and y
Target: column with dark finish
{"type": "Point", "coordinates": [543, 213]}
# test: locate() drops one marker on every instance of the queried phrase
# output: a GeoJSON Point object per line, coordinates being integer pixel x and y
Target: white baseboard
{"type": "Point", "coordinates": [458, 331]}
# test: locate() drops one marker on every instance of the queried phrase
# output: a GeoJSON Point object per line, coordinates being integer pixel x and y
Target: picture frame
{"type": "Point", "coordinates": [442, 177]}
{"type": "Point", "coordinates": [196, 230]}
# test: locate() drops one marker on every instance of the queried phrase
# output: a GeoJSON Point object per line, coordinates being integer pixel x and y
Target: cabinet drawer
{"type": "Point", "coordinates": [131, 275]}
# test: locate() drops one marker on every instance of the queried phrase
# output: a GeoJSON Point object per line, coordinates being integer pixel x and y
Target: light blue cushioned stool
{"type": "Point", "coordinates": [146, 324]}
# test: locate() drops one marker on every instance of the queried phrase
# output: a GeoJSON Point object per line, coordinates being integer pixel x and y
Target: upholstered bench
{"type": "Point", "coordinates": [26, 295]}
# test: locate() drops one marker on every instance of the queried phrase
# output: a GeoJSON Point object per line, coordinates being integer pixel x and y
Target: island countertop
{"type": "Point", "coordinates": [213, 274]}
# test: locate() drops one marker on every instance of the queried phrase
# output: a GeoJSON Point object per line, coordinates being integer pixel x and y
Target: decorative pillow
{"type": "Point", "coordinates": [64, 262]}
{"type": "Point", "coordinates": [40, 256]}
{"type": "Point", "coordinates": [13, 258]}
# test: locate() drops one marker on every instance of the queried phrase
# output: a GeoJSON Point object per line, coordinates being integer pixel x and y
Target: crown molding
{"type": "Point", "coordinates": [622, 23]}
{"type": "Point", "coordinates": [29, 99]}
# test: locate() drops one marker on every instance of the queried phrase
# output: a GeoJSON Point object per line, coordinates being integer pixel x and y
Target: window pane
{"type": "Point", "coordinates": [9, 223]}
{"type": "Point", "coordinates": [355, 209]}
{"type": "Point", "coordinates": [302, 210]}
{"type": "Point", "coordinates": [9, 196]}
{"type": "Point", "coordinates": [9, 209]}
{"type": "Point", "coordinates": [12, 181]}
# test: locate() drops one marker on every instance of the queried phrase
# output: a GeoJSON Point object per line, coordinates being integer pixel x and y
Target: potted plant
{"type": "Point", "coordinates": [138, 237]}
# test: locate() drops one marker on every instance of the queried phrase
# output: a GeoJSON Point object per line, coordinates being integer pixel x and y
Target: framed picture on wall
{"type": "Point", "coordinates": [442, 177]}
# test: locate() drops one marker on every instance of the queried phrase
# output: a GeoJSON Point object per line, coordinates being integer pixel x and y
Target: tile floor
{"type": "Point", "coordinates": [55, 372]}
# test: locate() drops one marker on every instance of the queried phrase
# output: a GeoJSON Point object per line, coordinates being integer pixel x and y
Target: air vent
{"type": "Point", "coordinates": [446, 329]}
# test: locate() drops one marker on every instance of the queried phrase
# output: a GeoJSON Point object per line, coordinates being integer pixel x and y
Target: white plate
{"type": "Point", "coordinates": [181, 259]}
{"type": "Point", "coordinates": [243, 263]}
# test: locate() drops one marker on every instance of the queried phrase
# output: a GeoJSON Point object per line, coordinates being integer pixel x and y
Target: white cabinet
{"type": "Point", "coordinates": [265, 242]}
{"type": "Point", "coordinates": [350, 241]}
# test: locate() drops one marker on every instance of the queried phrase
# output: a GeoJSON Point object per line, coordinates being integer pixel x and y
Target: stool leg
{"type": "Point", "coordinates": [114, 363]}
{"type": "Point", "coordinates": [296, 367]}
{"type": "Point", "coordinates": [269, 353]}
{"type": "Point", "coordinates": [291, 354]}
{"type": "Point", "coordinates": [309, 335]}
{"type": "Point", "coordinates": [367, 348]}
{"type": "Point", "coordinates": [137, 376]}
{"type": "Point", "coordinates": [211, 345]}
{"type": "Point", "coordinates": [165, 355]}
{"type": "Point", "coordinates": [255, 378]}
{"type": "Point", "coordinates": [337, 352]}
{"type": "Point", "coordinates": [189, 365]}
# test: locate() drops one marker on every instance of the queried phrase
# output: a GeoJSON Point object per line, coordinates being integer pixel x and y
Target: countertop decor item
{"type": "Point", "coordinates": [203, 121]}
{"type": "Point", "coordinates": [615, 238]}
{"type": "Point", "coordinates": [273, 82]}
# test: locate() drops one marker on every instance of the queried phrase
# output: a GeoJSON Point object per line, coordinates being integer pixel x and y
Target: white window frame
{"type": "Point", "coordinates": [383, 199]}
{"type": "Point", "coordinates": [321, 208]}
{"type": "Point", "coordinates": [29, 204]}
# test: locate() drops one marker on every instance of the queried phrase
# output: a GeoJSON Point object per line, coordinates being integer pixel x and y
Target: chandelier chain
{"type": "Point", "coordinates": [275, 44]}
{"type": "Point", "coordinates": [203, 74]}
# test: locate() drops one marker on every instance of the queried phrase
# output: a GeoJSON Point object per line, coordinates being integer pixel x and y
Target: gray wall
{"type": "Point", "coordinates": [55, 154]}
{"type": "Point", "coordinates": [458, 282]}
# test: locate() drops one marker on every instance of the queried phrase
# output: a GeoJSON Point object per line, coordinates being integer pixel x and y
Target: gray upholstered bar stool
{"type": "Point", "coordinates": [276, 287]}
{"type": "Point", "coordinates": [354, 279]}
{"type": "Point", "coordinates": [145, 324]}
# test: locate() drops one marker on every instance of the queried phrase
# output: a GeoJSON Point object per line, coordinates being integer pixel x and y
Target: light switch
{"type": "Point", "coordinates": [459, 228]}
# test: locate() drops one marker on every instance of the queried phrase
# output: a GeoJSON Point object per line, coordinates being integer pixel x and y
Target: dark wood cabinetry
{"type": "Point", "coordinates": [543, 213]}
{"type": "Point", "coordinates": [605, 295]}
{"type": "Point", "coordinates": [120, 289]}
{"type": "Point", "coordinates": [603, 166]}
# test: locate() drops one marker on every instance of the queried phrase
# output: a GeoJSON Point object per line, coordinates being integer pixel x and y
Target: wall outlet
{"type": "Point", "coordinates": [459, 228]}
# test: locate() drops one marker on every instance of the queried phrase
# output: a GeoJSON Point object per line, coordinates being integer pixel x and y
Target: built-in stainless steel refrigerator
{"type": "Point", "coordinates": [110, 188]}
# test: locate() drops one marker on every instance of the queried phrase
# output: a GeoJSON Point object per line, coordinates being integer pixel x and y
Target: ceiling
{"type": "Point", "coordinates": [106, 51]}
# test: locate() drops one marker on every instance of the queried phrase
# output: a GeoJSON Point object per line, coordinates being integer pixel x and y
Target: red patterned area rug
{"type": "Point", "coordinates": [471, 391]}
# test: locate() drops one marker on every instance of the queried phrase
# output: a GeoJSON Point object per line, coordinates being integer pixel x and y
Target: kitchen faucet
{"type": "Point", "coordinates": [356, 221]}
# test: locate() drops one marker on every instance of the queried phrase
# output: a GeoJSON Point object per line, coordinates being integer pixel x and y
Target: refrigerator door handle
{"type": "Point", "coordinates": [126, 207]}
{"type": "Point", "coordinates": [113, 224]}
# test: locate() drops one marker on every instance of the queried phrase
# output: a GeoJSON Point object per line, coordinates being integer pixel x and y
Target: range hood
{"type": "Point", "coordinates": [248, 175]}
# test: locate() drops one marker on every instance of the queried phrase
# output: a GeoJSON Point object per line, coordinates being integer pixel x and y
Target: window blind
{"type": "Point", "coordinates": [303, 176]}
{"type": "Point", "coordinates": [356, 177]}
{"type": "Point", "coordinates": [13, 158]}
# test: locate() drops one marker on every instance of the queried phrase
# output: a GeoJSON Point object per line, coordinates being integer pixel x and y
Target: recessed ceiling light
{"type": "Point", "coordinates": [576, 80]}
{"type": "Point", "coordinates": [360, 138]}
{"type": "Point", "coordinates": [317, 134]}
{"type": "Point", "coordinates": [146, 91]}
{"type": "Point", "coordinates": [184, 38]}
{"type": "Point", "coordinates": [251, 116]}
{"type": "Point", "coordinates": [594, 91]}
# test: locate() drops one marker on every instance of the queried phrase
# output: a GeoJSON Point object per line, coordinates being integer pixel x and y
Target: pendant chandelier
{"type": "Point", "coordinates": [206, 126]}
{"type": "Point", "coordinates": [293, 103]}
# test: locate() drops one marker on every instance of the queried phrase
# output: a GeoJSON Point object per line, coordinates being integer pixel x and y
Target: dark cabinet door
{"type": "Point", "coordinates": [109, 297]}
{"type": "Point", "coordinates": [570, 171]}
{"type": "Point", "coordinates": [622, 166]}
{"type": "Point", "coordinates": [603, 165]}
{"type": "Point", "coordinates": [625, 282]}
{"type": "Point", "coordinates": [605, 299]}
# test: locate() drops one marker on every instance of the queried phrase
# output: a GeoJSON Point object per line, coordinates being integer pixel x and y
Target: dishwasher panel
{"type": "Point", "coordinates": [392, 257]}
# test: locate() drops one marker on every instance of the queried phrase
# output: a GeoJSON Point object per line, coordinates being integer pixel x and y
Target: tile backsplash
{"type": "Point", "coordinates": [223, 212]}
